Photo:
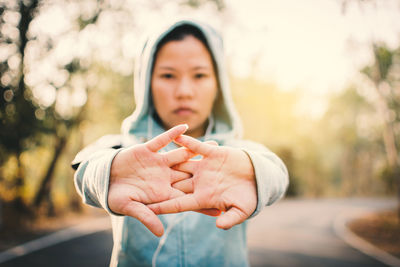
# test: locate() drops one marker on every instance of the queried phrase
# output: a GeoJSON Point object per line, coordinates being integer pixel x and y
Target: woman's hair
{"type": "Point", "coordinates": [180, 33]}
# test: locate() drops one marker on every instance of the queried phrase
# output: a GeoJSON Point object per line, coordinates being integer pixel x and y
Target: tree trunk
{"type": "Point", "coordinates": [44, 189]}
{"type": "Point", "coordinates": [390, 144]}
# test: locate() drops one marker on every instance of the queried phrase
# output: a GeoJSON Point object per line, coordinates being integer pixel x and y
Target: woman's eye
{"type": "Point", "coordinates": [167, 76]}
{"type": "Point", "coordinates": [200, 75]}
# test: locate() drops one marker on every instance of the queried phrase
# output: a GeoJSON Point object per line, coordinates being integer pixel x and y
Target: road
{"type": "Point", "coordinates": [289, 233]}
{"type": "Point", "coordinates": [301, 233]}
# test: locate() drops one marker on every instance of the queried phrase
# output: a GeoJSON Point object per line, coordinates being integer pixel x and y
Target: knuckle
{"type": "Point", "coordinates": [177, 206]}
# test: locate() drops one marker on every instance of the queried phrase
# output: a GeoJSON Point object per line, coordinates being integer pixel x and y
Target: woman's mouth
{"type": "Point", "coordinates": [184, 111]}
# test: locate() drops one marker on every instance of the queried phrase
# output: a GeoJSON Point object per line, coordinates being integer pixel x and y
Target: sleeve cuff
{"type": "Point", "coordinates": [271, 179]}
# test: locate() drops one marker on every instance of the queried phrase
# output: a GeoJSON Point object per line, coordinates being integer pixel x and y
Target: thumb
{"type": "Point", "coordinates": [146, 216]}
{"type": "Point", "coordinates": [230, 218]}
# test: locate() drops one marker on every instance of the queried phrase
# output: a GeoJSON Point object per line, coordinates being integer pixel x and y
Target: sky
{"type": "Point", "coordinates": [312, 43]}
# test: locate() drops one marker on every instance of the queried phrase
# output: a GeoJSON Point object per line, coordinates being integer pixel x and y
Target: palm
{"type": "Point", "coordinates": [148, 177]}
{"type": "Point", "coordinates": [140, 175]}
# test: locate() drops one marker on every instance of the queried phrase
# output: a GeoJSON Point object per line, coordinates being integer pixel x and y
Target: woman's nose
{"type": "Point", "coordinates": [184, 89]}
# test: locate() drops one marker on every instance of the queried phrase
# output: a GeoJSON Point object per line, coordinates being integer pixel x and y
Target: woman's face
{"type": "Point", "coordinates": [184, 85]}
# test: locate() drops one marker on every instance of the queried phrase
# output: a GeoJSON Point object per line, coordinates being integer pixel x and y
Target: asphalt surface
{"type": "Point", "coordinates": [301, 233]}
{"type": "Point", "coordinates": [289, 233]}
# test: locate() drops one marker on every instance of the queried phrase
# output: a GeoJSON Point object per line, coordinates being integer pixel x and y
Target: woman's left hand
{"type": "Point", "coordinates": [223, 179]}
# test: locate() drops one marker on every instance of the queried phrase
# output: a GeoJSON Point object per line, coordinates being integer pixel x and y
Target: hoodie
{"type": "Point", "coordinates": [190, 238]}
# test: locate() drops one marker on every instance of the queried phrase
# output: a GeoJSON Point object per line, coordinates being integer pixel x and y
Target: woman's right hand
{"type": "Point", "coordinates": [140, 175]}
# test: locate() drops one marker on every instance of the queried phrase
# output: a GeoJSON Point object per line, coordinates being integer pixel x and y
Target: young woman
{"type": "Point", "coordinates": [181, 150]}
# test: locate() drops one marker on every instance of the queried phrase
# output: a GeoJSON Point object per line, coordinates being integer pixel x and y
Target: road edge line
{"type": "Point", "coordinates": [341, 230]}
{"type": "Point", "coordinates": [86, 228]}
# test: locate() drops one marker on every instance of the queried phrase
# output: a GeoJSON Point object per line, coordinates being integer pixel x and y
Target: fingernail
{"type": "Point", "coordinates": [187, 126]}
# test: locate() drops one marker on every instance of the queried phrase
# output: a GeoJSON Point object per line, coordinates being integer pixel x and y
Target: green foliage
{"type": "Point", "coordinates": [383, 62]}
{"type": "Point", "coordinates": [389, 177]}
{"type": "Point", "coordinates": [353, 135]}
{"type": "Point", "coordinates": [286, 154]}
{"type": "Point", "coordinates": [384, 58]}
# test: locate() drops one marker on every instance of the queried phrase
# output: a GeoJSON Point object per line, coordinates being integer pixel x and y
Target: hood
{"type": "Point", "coordinates": [224, 123]}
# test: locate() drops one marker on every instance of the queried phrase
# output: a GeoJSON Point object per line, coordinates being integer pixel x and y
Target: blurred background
{"type": "Point", "coordinates": [316, 81]}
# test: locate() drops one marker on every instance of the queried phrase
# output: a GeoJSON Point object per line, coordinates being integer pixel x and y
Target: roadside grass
{"type": "Point", "coordinates": [381, 229]}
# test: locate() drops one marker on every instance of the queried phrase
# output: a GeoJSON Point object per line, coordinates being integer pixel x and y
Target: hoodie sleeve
{"type": "Point", "coordinates": [271, 174]}
{"type": "Point", "coordinates": [93, 165]}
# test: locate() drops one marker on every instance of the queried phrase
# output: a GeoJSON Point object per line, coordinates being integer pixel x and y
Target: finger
{"type": "Point", "coordinates": [188, 166]}
{"type": "Point", "coordinates": [230, 218]}
{"type": "Point", "coordinates": [178, 155]}
{"type": "Point", "coordinates": [184, 203]}
{"type": "Point", "coordinates": [195, 145]}
{"type": "Point", "coordinates": [146, 216]}
{"type": "Point", "coordinates": [186, 186]}
{"type": "Point", "coordinates": [211, 142]}
{"type": "Point", "coordinates": [210, 212]}
{"type": "Point", "coordinates": [165, 138]}
{"type": "Point", "coordinates": [177, 176]}
{"type": "Point", "coordinates": [175, 193]}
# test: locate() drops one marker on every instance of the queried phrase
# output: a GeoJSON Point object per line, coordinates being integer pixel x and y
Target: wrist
{"type": "Point", "coordinates": [246, 168]}
{"type": "Point", "coordinates": [116, 166]}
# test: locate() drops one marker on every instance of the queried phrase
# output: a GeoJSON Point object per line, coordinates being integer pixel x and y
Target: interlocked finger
{"type": "Point", "coordinates": [185, 203]}
{"type": "Point", "coordinates": [165, 138]}
{"type": "Point", "coordinates": [188, 166]}
{"type": "Point", "coordinates": [178, 155]}
{"type": "Point", "coordinates": [185, 186]}
{"type": "Point", "coordinates": [177, 176]}
{"type": "Point", "coordinates": [195, 145]}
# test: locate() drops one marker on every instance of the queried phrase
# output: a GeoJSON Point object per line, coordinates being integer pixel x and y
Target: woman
{"type": "Point", "coordinates": [180, 86]}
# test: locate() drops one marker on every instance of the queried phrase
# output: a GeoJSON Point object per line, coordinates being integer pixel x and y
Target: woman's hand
{"type": "Point", "coordinates": [140, 175]}
{"type": "Point", "coordinates": [223, 179]}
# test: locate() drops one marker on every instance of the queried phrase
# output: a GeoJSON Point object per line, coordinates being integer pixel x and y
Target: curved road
{"type": "Point", "coordinates": [301, 233]}
{"type": "Point", "coordinates": [289, 233]}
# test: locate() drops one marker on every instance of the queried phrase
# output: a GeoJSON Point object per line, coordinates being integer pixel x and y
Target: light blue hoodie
{"type": "Point", "coordinates": [190, 238]}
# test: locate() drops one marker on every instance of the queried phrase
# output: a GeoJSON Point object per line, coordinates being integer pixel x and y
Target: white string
{"type": "Point", "coordinates": [161, 243]}
{"type": "Point", "coordinates": [150, 125]}
{"type": "Point", "coordinates": [209, 127]}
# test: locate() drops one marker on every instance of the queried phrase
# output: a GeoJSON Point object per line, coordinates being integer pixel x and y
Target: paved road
{"type": "Point", "coordinates": [301, 233]}
{"type": "Point", "coordinates": [289, 233]}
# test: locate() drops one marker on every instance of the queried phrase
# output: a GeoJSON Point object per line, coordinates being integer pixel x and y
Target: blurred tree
{"type": "Point", "coordinates": [384, 73]}
{"type": "Point", "coordinates": [18, 124]}
{"type": "Point", "coordinates": [286, 154]}
{"type": "Point", "coordinates": [350, 142]}
{"type": "Point", "coordinates": [24, 119]}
